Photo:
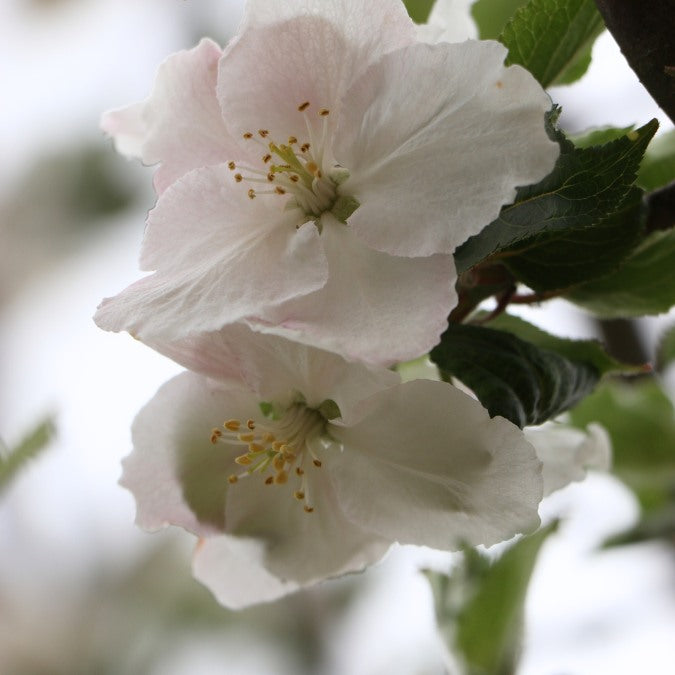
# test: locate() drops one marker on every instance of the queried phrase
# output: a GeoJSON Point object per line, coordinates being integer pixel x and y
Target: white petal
{"type": "Point", "coordinates": [375, 308]}
{"type": "Point", "coordinates": [219, 256]}
{"type": "Point", "coordinates": [567, 453]}
{"type": "Point", "coordinates": [278, 369]}
{"type": "Point", "coordinates": [180, 124]}
{"type": "Point", "coordinates": [301, 547]}
{"type": "Point", "coordinates": [436, 138]}
{"type": "Point", "coordinates": [426, 465]}
{"type": "Point", "coordinates": [449, 21]}
{"type": "Point", "coordinates": [232, 569]}
{"type": "Point", "coordinates": [175, 473]}
{"type": "Point", "coordinates": [287, 53]}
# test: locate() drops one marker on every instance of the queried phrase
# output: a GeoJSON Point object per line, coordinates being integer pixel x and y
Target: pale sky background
{"type": "Point", "coordinates": [65, 516]}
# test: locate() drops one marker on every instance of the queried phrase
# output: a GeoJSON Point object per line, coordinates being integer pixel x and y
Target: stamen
{"type": "Point", "coordinates": [248, 135]}
{"type": "Point", "coordinates": [232, 479]}
{"type": "Point", "coordinates": [247, 438]}
{"type": "Point", "coordinates": [299, 471]}
{"type": "Point", "coordinates": [250, 424]}
{"type": "Point", "coordinates": [232, 425]}
{"type": "Point", "coordinates": [231, 166]}
{"type": "Point", "coordinates": [299, 495]}
{"type": "Point", "coordinates": [305, 147]}
{"type": "Point", "coordinates": [281, 478]}
{"type": "Point", "coordinates": [251, 194]}
{"type": "Point", "coordinates": [269, 480]}
{"type": "Point", "coordinates": [215, 435]}
{"type": "Point", "coordinates": [266, 158]}
{"type": "Point", "coordinates": [264, 133]}
{"type": "Point", "coordinates": [317, 463]}
{"type": "Point", "coordinates": [309, 509]}
{"type": "Point", "coordinates": [243, 460]}
{"type": "Point", "coordinates": [238, 177]}
{"type": "Point", "coordinates": [303, 106]}
{"type": "Point", "coordinates": [292, 140]}
{"type": "Point", "coordinates": [324, 112]}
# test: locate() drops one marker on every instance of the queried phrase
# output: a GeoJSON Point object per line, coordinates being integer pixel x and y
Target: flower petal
{"type": "Point", "coordinates": [219, 256]}
{"type": "Point", "coordinates": [232, 569]}
{"type": "Point", "coordinates": [180, 124]}
{"type": "Point", "coordinates": [287, 53]}
{"type": "Point", "coordinates": [375, 308]}
{"type": "Point", "coordinates": [566, 453]}
{"type": "Point", "coordinates": [175, 473]}
{"type": "Point", "coordinates": [426, 465]}
{"type": "Point", "coordinates": [449, 21]}
{"type": "Point", "coordinates": [301, 547]}
{"type": "Point", "coordinates": [278, 369]}
{"type": "Point", "coordinates": [432, 164]}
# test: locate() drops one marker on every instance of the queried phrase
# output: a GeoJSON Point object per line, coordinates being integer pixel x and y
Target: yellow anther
{"type": "Point", "coordinates": [277, 445]}
{"type": "Point", "coordinates": [299, 495]}
{"type": "Point", "coordinates": [232, 479]}
{"type": "Point", "coordinates": [305, 147]}
{"type": "Point", "coordinates": [303, 106]}
{"type": "Point", "coordinates": [289, 456]}
{"type": "Point", "coordinates": [264, 133]}
{"type": "Point", "coordinates": [280, 478]}
{"type": "Point", "coordinates": [270, 177]}
{"type": "Point", "coordinates": [232, 425]}
{"type": "Point", "coordinates": [324, 112]}
{"type": "Point", "coordinates": [279, 190]}
{"type": "Point", "coordinates": [317, 463]}
{"type": "Point", "coordinates": [238, 177]}
{"type": "Point", "coordinates": [215, 435]}
{"type": "Point", "coordinates": [231, 166]}
{"type": "Point", "coordinates": [251, 194]}
{"type": "Point", "coordinates": [269, 480]}
{"type": "Point", "coordinates": [312, 168]}
{"type": "Point", "coordinates": [279, 462]}
{"type": "Point", "coordinates": [292, 140]}
{"type": "Point", "coordinates": [248, 135]}
{"type": "Point", "coordinates": [246, 438]}
{"type": "Point", "coordinates": [299, 471]}
{"type": "Point", "coordinates": [243, 460]}
{"type": "Point", "coordinates": [268, 437]}
{"type": "Point", "coordinates": [255, 448]}
{"type": "Point", "coordinates": [309, 509]}
{"type": "Point", "coordinates": [250, 424]}
{"type": "Point", "coordinates": [294, 178]}
{"type": "Point", "coordinates": [266, 158]}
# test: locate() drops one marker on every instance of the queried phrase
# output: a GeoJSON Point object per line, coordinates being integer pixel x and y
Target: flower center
{"type": "Point", "coordinates": [296, 169]}
{"type": "Point", "coordinates": [280, 450]}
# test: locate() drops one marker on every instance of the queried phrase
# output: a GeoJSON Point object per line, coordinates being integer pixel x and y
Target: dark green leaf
{"type": "Point", "coordinates": [479, 607]}
{"type": "Point", "coordinates": [590, 352]}
{"type": "Point", "coordinates": [29, 448]}
{"type": "Point", "coordinates": [419, 9]}
{"type": "Point", "coordinates": [492, 15]}
{"type": "Point", "coordinates": [658, 165]}
{"type": "Point", "coordinates": [640, 420]}
{"type": "Point", "coordinates": [553, 38]}
{"type": "Point", "coordinates": [511, 377]}
{"type": "Point", "coordinates": [558, 260]}
{"type": "Point", "coordinates": [644, 284]}
{"type": "Point", "coordinates": [586, 185]}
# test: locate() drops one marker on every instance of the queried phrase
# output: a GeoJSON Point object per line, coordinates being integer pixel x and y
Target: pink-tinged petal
{"type": "Point", "coordinates": [219, 256]}
{"type": "Point", "coordinates": [567, 453]}
{"type": "Point", "coordinates": [432, 164]}
{"type": "Point", "coordinates": [277, 368]}
{"type": "Point", "coordinates": [375, 308]}
{"type": "Point", "coordinates": [177, 476]}
{"type": "Point", "coordinates": [127, 128]}
{"type": "Point", "coordinates": [287, 53]}
{"type": "Point", "coordinates": [301, 547]}
{"type": "Point", "coordinates": [426, 465]}
{"type": "Point", "coordinates": [181, 125]}
{"type": "Point", "coordinates": [232, 569]}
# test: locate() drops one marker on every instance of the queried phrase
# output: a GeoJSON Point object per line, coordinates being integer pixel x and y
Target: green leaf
{"type": "Point", "coordinates": [590, 352]}
{"type": "Point", "coordinates": [666, 349]}
{"type": "Point", "coordinates": [511, 377]}
{"type": "Point", "coordinates": [658, 165]}
{"type": "Point", "coordinates": [558, 260]}
{"type": "Point", "coordinates": [586, 185]}
{"type": "Point", "coordinates": [419, 10]}
{"type": "Point", "coordinates": [480, 607]}
{"type": "Point", "coordinates": [492, 15]}
{"type": "Point", "coordinates": [30, 447]}
{"type": "Point", "coordinates": [599, 136]}
{"type": "Point", "coordinates": [553, 38]}
{"type": "Point", "coordinates": [640, 420]}
{"type": "Point", "coordinates": [644, 284]}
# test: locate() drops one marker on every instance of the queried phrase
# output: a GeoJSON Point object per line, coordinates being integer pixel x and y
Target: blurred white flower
{"type": "Point", "coordinates": [449, 21]}
{"type": "Point", "coordinates": [316, 176]}
{"type": "Point", "coordinates": [293, 465]}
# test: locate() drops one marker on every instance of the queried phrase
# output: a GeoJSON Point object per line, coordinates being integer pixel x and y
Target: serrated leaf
{"type": "Point", "coordinates": [643, 285]}
{"type": "Point", "coordinates": [511, 377]}
{"type": "Point", "coordinates": [658, 165]}
{"type": "Point", "coordinates": [30, 447]}
{"type": "Point", "coordinates": [640, 420]}
{"type": "Point", "coordinates": [479, 608]}
{"type": "Point", "coordinates": [492, 15]}
{"type": "Point", "coordinates": [590, 352]}
{"type": "Point", "coordinates": [553, 38]}
{"type": "Point", "coordinates": [419, 10]}
{"type": "Point", "coordinates": [586, 185]}
{"type": "Point", "coordinates": [558, 260]}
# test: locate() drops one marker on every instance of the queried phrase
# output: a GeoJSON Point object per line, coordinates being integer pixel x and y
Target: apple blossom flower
{"type": "Point", "coordinates": [316, 176]}
{"type": "Point", "coordinates": [293, 465]}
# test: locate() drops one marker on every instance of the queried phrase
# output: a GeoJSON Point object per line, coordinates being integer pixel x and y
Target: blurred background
{"type": "Point", "coordinates": [81, 589]}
